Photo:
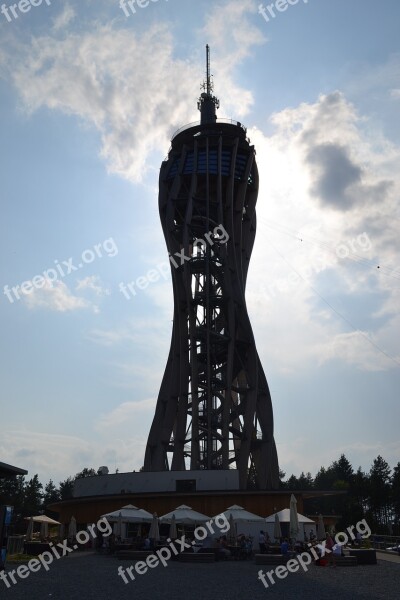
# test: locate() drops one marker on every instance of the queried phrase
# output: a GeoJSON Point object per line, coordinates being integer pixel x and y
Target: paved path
{"type": "Point", "coordinates": [93, 577]}
{"type": "Point", "coordinates": [390, 557]}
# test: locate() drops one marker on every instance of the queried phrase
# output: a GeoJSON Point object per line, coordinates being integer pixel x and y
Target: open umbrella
{"type": "Point", "coordinates": [154, 533]}
{"type": "Point", "coordinates": [72, 529]}
{"type": "Point", "coordinates": [321, 535]}
{"type": "Point", "coordinates": [240, 515]}
{"type": "Point", "coordinates": [185, 515]}
{"type": "Point", "coordinates": [130, 514]}
{"type": "Point", "coordinates": [43, 519]}
{"type": "Point", "coordinates": [294, 520]}
{"type": "Point", "coordinates": [277, 528]}
{"type": "Point", "coordinates": [172, 529]}
{"type": "Point", "coordinates": [29, 533]}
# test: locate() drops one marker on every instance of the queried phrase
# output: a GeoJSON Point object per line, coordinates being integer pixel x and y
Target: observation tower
{"type": "Point", "coordinates": [214, 409]}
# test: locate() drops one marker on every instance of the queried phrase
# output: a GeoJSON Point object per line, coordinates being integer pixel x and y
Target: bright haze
{"type": "Point", "coordinates": [89, 99]}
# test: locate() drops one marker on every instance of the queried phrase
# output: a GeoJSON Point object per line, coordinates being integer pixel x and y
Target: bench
{"type": "Point", "coordinates": [345, 561]}
{"type": "Point", "coordinates": [203, 557]}
{"type": "Point", "coordinates": [133, 554]}
{"type": "Point", "coordinates": [364, 556]}
{"type": "Point", "coordinates": [271, 559]}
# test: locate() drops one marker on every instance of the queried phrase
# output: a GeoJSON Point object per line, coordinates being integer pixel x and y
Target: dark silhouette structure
{"type": "Point", "coordinates": [214, 408]}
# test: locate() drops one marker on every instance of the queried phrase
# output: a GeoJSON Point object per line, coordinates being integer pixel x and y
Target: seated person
{"type": "Point", "coordinates": [223, 547]}
{"type": "Point", "coordinates": [285, 547]}
{"type": "Point", "coordinates": [147, 544]}
{"type": "Point", "coordinates": [207, 545]}
{"type": "Point", "coordinates": [336, 551]}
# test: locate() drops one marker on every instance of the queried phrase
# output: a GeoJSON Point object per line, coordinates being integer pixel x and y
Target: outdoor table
{"type": "Point", "coordinates": [36, 548]}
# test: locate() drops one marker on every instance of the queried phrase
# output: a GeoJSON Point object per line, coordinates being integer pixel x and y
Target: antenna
{"type": "Point", "coordinates": [207, 103]}
{"type": "Point", "coordinates": [209, 85]}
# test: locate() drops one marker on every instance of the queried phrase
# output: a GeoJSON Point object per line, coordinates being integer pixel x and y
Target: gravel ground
{"type": "Point", "coordinates": [89, 576]}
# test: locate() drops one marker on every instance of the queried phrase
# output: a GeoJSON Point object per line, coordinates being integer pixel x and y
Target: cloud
{"type": "Point", "coordinates": [353, 349]}
{"type": "Point", "coordinates": [336, 174]}
{"type": "Point", "coordinates": [64, 18]}
{"type": "Point", "coordinates": [92, 76]}
{"type": "Point", "coordinates": [124, 413]}
{"type": "Point", "coordinates": [93, 284]}
{"type": "Point", "coordinates": [328, 193]}
{"type": "Point", "coordinates": [232, 37]}
{"type": "Point", "coordinates": [57, 297]}
{"type": "Point", "coordinates": [58, 456]}
{"type": "Point", "coordinates": [136, 99]}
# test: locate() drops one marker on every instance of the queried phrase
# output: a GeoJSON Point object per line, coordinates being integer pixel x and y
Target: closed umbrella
{"type": "Point", "coordinates": [44, 530]}
{"type": "Point", "coordinates": [61, 530]}
{"type": "Point", "coordinates": [321, 535]}
{"type": "Point", "coordinates": [277, 528]}
{"type": "Point", "coordinates": [154, 533]}
{"type": "Point", "coordinates": [232, 529]}
{"type": "Point", "coordinates": [118, 527]}
{"type": "Point", "coordinates": [72, 529]}
{"type": "Point", "coordinates": [172, 529]}
{"type": "Point", "coordinates": [294, 520]}
{"type": "Point", "coordinates": [29, 533]}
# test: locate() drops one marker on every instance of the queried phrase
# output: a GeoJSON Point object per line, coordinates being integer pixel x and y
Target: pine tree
{"type": "Point", "coordinates": [51, 494]}
{"type": "Point", "coordinates": [380, 492]}
{"type": "Point", "coordinates": [66, 488]}
{"type": "Point", "coordinates": [395, 496]}
{"type": "Point", "coordinates": [33, 496]}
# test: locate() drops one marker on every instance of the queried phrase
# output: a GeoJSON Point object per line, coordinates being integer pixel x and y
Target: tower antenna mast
{"type": "Point", "coordinates": [209, 84]}
{"type": "Point", "coordinates": [208, 103]}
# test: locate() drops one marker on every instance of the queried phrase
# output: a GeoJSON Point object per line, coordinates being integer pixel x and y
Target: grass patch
{"type": "Point", "coordinates": [19, 557]}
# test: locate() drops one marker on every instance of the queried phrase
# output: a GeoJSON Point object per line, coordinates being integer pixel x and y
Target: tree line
{"type": "Point", "coordinates": [373, 495]}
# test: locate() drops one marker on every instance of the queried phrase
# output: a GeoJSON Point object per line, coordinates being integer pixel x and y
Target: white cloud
{"type": "Point", "coordinates": [123, 414]}
{"type": "Point", "coordinates": [354, 349]}
{"type": "Point", "coordinates": [58, 456]}
{"type": "Point", "coordinates": [136, 99]}
{"type": "Point", "coordinates": [232, 37]}
{"type": "Point", "coordinates": [64, 18]}
{"type": "Point", "coordinates": [57, 297]}
{"type": "Point", "coordinates": [335, 248]}
{"type": "Point", "coordinates": [93, 284]}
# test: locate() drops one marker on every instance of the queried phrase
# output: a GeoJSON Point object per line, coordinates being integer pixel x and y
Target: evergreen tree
{"type": "Point", "coordinates": [12, 492]}
{"type": "Point", "coordinates": [66, 488]}
{"type": "Point", "coordinates": [51, 494]}
{"type": "Point", "coordinates": [395, 483]}
{"type": "Point", "coordinates": [33, 496]}
{"type": "Point", "coordinates": [380, 492]}
{"type": "Point", "coordinates": [342, 469]}
{"type": "Point", "coordinates": [305, 482]}
{"type": "Point", "coordinates": [86, 473]}
{"type": "Point", "coordinates": [292, 483]}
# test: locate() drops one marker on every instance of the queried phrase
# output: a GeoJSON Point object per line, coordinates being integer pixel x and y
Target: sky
{"type": "Point", "coordinates": [90, 95]}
